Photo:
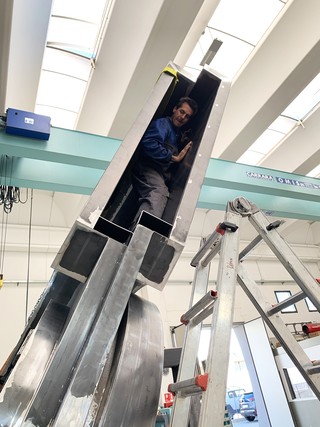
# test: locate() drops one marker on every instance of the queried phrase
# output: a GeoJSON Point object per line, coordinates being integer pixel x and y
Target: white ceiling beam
{"type": "Point", "coordinates": [303, 145]}
{"type": "Point", "coordinates": [140, 39]}
{"type": "Point", "coordinates": [28, 40]}
{"type": "Point", "coordinates": [285, 60]}
{"type": "Point", "coordinates": [197, 28]}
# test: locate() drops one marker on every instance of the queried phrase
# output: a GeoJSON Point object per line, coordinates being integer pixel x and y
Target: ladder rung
{"type": "Point", "coordinates": [286, 303]}
{"type": "Point", "coordinates": [213, 252]}
{"type": "Point", "coordinates": [203, 314]}
{"type": "Point", "coordinates": [203, 303]}
{"type": "Point", "coordinates": [257, 241]}
{"type": "Point", "coordinates": [190, 387]}
{"type": "Point", "coordinates": [251, 247]}
{"type": "Point", "coordinates": [315, 369]}
{"type": "Point", "coordinates": [211, 242]}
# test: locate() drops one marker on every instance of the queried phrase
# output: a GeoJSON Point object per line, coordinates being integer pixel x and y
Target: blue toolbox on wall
{"type": "Point", "coordinates": [163, 417]}
{"type": "Point", "coordinates": [30, 125]}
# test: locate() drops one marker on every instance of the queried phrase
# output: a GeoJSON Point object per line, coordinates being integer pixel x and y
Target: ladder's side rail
{"type": "Point", "coordinates": [287, 257]}
{"type": "Point", "coordinates": [213, 400]}
{"type": "Point", "coordinates": [279, 329]}
{"type": "Point", "coordinates": [181, 405]}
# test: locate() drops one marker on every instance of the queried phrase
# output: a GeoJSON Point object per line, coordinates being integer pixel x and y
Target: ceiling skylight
{"type": "Point", "coordinates": [69, 32]}
{"type": "Point", "coordinates": [239, 25]}
{"type": "Point", "coordinates": [305, 101]}
{"type": "Point", "coordinates": [73, 40]}
{"type": "Point", "coordinates": [246, 19]}
{"type": "Point", "coordinates": [315, 173]}
{"type": "Point", "coordinates": [79, 9]}
{"type": "Point", "coordinates": [291, 117]}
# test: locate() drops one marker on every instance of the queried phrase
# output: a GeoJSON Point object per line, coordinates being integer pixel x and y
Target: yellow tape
{"type": "Point", "coordinates": [1, 280]}
{"type": "Point", "coordinates": [172, 72]}
{"type": "Point", "coordinates": [170, 91]}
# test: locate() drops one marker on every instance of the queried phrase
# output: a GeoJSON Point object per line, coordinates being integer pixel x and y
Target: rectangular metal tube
{"type": "Point", "coordinates": [80, 398]}
{"type": "Point", "coordinates": [52, 389]}
{"type": "Point", "coordinates": [204, 314]}
{"type": "Point", "coordinates": [198, 306]}
{"type": "Point", "coordinates": [251, 247]}
{"type": "Point", "coordinates": [286, 303]}
{"type": "Point", "coordinates": [213, 252]}
{"type": "Point", "coordinates": [204, 248]}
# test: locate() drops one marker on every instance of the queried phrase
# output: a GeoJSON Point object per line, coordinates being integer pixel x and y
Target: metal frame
{"type": "Point", "coordinates": [187, 191]}
{"type": "Point", "coordinates": [108, 262]}
{"type": "Point", "coordinates": [231, 270]}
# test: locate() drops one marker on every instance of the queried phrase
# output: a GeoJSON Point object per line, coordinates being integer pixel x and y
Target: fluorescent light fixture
{"type": "Point", "coordinates": [211, 52]}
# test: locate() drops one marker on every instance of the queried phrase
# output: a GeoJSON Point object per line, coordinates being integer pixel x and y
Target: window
{"type": "Point", "coordinates": [282, 296]}
{"type": "Point", "coordinates": [310, 305]}
{"type": "Point", "coordinates": [236, 393]}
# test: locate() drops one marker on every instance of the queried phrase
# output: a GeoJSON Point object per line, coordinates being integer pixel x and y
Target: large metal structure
{"type": "Point", "coordinates": [86, 356]}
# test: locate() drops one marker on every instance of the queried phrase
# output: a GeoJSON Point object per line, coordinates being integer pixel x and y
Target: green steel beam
{"type": "Point", "coordinates": [74, 162]}
{"type": "Point", "coordinates": [64, 146]}
{"type": "Point", "coordinates": [236, 176]}
{"type": "Point", "coordinates": [43, 175]}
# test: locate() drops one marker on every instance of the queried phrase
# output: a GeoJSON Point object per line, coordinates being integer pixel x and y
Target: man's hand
{"type": "Point", "coordinates": [182, 153]}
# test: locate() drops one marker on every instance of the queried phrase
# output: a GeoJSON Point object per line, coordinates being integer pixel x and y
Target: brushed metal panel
{"type": "Point", "coordinates": [28, 371]}
{"type": "Point", "coordinates": [135, 381]}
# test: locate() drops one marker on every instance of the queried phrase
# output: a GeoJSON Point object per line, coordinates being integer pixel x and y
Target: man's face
{"type": "Point", "coordinates": [181, 115]}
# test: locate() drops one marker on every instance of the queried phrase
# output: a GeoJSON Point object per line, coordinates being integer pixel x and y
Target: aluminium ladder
{"type": "Point", "coordinates": [225, 240]}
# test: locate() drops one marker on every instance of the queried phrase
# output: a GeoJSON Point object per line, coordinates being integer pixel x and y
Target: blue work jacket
{"type": "Point", "coordinates": [153, 145]}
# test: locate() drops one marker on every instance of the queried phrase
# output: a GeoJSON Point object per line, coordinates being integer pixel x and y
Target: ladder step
{"type": "Point", "coordinates": [203, 314]}
{"type": "Point", "coordinates": [190, 387]}
{"type": "Point", "coordinates": [250, 248]}
{"type": "Point", "coordinates": [202, 304]}
{"type": "Point", "coordinates": [257, 241]}
{"type": "Point", "coordinates": [315, 369]}
{"type": "Point", "coordinates": [286, 303]}
{"type": "Point", "coordinates": [211, 242]}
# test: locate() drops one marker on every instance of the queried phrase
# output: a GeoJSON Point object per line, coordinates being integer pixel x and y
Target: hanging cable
{"type": "Point", "coordinates": [3, 246]}
{"type": "Point", "coordinates": [29, 256]}
{"type": "Point", "coordinates": [8, 196]}
{"type": "Point", "coordinates": [1, 250]}
{"type": "Point", "coordinates": [8, 193]}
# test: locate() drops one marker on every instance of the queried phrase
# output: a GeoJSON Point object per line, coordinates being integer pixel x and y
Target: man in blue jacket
{"type": "Point", "coordinates": [159, 152]}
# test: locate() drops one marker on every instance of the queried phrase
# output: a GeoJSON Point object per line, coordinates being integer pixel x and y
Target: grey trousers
{"type": "Point", "coordinates": [150, 186]}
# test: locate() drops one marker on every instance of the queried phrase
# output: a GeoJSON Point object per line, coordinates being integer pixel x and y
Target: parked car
{"type": "Point", "coordinates": [232, 400]}
{"type": "Point", "coordinates": [248, 406]}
